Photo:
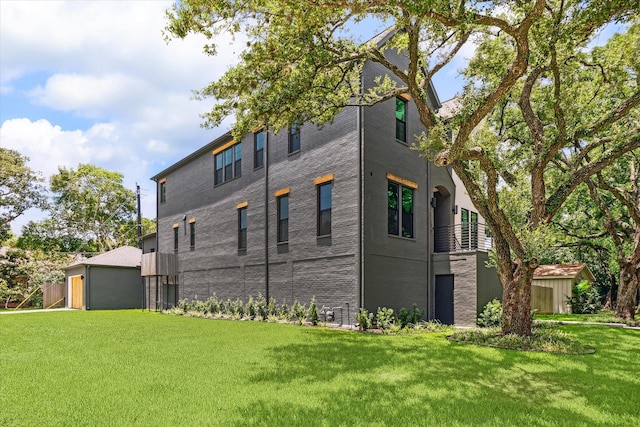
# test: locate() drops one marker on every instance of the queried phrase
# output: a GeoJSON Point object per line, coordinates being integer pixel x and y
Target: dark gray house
{"type": "Point", "coordinates": [345, 213]}
{"type": "Point", "coordinates": [107, 281]}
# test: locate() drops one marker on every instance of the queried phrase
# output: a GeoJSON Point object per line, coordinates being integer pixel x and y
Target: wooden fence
{"type": "Point", "coordinates": [53, 295]}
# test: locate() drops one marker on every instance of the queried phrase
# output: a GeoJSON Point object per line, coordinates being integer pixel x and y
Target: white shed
{"type": "Point", "coordinates": [552, 286]}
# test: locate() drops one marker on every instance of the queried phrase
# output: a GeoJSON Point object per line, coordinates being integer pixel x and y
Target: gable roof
{"type": "Point", "coordinates": [562, 270]}
{"type": "Point", "coordinates": [125, 256]}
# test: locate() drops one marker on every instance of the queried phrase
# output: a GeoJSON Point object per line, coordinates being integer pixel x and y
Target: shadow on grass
{"type": "Point", "coordinates": [425, 380]}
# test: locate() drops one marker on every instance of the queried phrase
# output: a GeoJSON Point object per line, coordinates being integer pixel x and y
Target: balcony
{"type": "Point", "coordinates": [159, 264]}
{"type": "Point", "coordinates": [470, 236]}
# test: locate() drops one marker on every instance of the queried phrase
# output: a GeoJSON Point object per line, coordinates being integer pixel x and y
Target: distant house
{"type": "Point", "coordinates": [107, 281]}
{"type": "Point", "coordinates": [552, 286]}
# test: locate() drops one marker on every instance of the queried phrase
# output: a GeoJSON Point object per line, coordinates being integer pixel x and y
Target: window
{"type": "Point", "coordinates": [468, 229]}
{"type": "Point", "coordinates": [283, 218]}
{"type": "Point", "coordinates": [399, 210]}
{"type": "Point", "coordinates": [294, 138]}
{"type": "Point", "coordinates": [401, 119]}
{"type": "Point", "coordinates": [175, 238]}
{"type": "Point", "coordinates": [192, 234]}
{"type": "Point", "coordinates": [324, 208]}
{"type": "Point", "coordinates": [258, 149]}
{"type": "Point", "coordinates": [228, 164]}
{"type": "Point", "coordinates": [163, 191]}
{"type": "Point", "coordinates": [242, 228]}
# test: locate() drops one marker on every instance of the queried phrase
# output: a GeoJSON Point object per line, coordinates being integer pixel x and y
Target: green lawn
{"type": "Point", "coordinates": [603, 316]}
{"type": "Point", "coordinates": [133, 368]}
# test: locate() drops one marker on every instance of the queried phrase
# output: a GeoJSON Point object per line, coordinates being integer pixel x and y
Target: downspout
{"type": "Point", "coordinates": [86, 286]}
{"type": "Point", "coordinates": [266, 212]}
{"type": "Point", "coordinates": [360, 131]}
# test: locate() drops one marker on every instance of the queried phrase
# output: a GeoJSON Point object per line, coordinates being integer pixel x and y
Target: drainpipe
{"type": "Point", "coordinates": [430, 247]}
{"type": "Point", "coordinates": [360, 260]}
{"type": "Point", "coordinates": [266, 212]}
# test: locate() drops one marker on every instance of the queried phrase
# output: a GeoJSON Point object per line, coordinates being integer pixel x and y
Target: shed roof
{"type": "Point", "coordinates": [125, 256]}
{"type": "Point", "coordinates": [562, 270]}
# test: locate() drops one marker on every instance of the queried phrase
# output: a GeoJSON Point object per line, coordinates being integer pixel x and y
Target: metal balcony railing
{"type": "Point", "coordinates": [462, 237]}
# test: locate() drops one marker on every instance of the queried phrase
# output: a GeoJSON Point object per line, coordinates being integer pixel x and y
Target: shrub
{"type": "Point", "coordinates": [285, 313]}
{"type": "Point", "coordinates": [385, 319]}
{"type": "Point", "coordinates": [410, 317]}
{"type": "Point", "coordinates": [298, 312]}
{"type": "Point", "coordinates": [491, 316]}
{"type": "Point", "coordinates": [312, 313]}
{"type": "Point", "coordinates": [251, 308]}
{"type": "Point", "coordinates": [364, 319]}
{"type": "Point", "coordinates": [585, 299]}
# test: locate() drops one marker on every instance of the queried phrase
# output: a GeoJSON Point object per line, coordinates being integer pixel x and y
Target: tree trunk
{"type": "Point", "coordinates": [608, 302]}
{"type": "Point", "coordinates": [516, 303]}
{"type": "Point", "coordinates": [627, 291]}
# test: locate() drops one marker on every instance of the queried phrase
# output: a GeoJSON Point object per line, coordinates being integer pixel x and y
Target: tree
{"type": "Point", "coordinates": [20, 189]}
{"type": "Point", "coordinates": [52, 236]}
{"type": "Point", "coordinates": [92, 204]}
{"type": "Point", "coordinates": [535, 91]}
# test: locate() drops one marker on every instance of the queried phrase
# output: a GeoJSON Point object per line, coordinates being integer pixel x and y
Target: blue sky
{"type": "Point", "coordinates": [95, 82]}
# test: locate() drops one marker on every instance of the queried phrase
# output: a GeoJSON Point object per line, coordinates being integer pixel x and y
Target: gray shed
{"type": "Point", "coordinates": [107, 281]}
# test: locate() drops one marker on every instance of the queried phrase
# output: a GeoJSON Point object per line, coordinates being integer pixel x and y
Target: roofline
{"type": "Point", "coordinates": [225, 137]}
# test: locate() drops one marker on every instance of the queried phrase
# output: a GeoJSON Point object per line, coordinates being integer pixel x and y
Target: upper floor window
{"type": "Point", "coordinates": [468, 229]}
{"type": "Point", "coordinates": [294, 138]}
{"type": "Point", "coordinates": [324, 208]}
{"type": "Point", "coordinates": [163, 191]}
{"type": "Point", "coordinates": [242, 227]}
{"type": "Point", "coordinates": [258, 149]}
{"type": "Point", "coordinates": [228, 163]}
{"type": "Point", "coordinates": [175, 238]}
{"type": "Point", "coordinates": [283, 218]}
{"type": "Point", "coordinates": [401, 120]}
{"type": "Point", "coordinates": [192, 234]}
{"type": "Point", "coordinates": [399, 210]}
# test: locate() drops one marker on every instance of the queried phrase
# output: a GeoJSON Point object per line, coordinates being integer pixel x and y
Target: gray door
{"type": "Point", "coordinates": [444, 298]}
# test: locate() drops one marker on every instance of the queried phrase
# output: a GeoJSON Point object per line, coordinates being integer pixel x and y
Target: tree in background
{"type": "Point", "coordinates": [20, 189]}
{"type": "Point", "coordinates": [91, 204]}
{"type": "Point", "coordinates": [535, 92]}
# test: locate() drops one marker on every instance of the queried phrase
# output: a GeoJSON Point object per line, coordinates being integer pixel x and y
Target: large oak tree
{"type": "Point", "coordinates": [530, 84]}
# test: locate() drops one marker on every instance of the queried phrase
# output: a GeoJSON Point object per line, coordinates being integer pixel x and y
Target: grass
{"type": "Point", "coordinates": [123, 368]}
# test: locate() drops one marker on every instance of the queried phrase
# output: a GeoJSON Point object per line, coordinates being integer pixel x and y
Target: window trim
{"type": "Point", "coordinates": [399, 229]}
{"type": "Point", "coordinates": [319, 211]}
{"type": "Point", "coordinates": [402, 121]}
{"type": "Point", "coordinates": [220, 165]}
{"type": "Point", "coordinates": [242, 231]}
{"type": "Point", "coordinates": [280, 239]}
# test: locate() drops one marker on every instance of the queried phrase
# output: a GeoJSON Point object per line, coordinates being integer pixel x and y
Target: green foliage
{"type": "Point", "coordinates": [411, 317]}
{"type": "Point", "coordinates": [20, 189]}
{"type": "Point", "coordinates": [92, 204]}
{"type": "Point", "coordinates": [491, 316]}
{"type": "Point", "coordinates": [364, 319]}
{"type": "Point", "coordinates": [385, 319]}
{"type": "Point", "coordinates": [312, 312]}
{"type": "Point", "coordinates": [298, 312]}
{"type": "Point", "coordinates": [585, 299]}
{"type": "Point", "coordinates": [544, 338]}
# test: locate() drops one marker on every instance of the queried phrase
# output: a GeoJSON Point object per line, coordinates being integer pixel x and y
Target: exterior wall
{"type": "Point", "coordinates": [304, 267]}
{"type": "Point", "coordinates": [489, 286]}
{"type": "Point", "coordinates": [108, 288]}
{"type": "Point", "coordinates": [474, 283]}
{"type": "Point", "coordinates": [561, 292]}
